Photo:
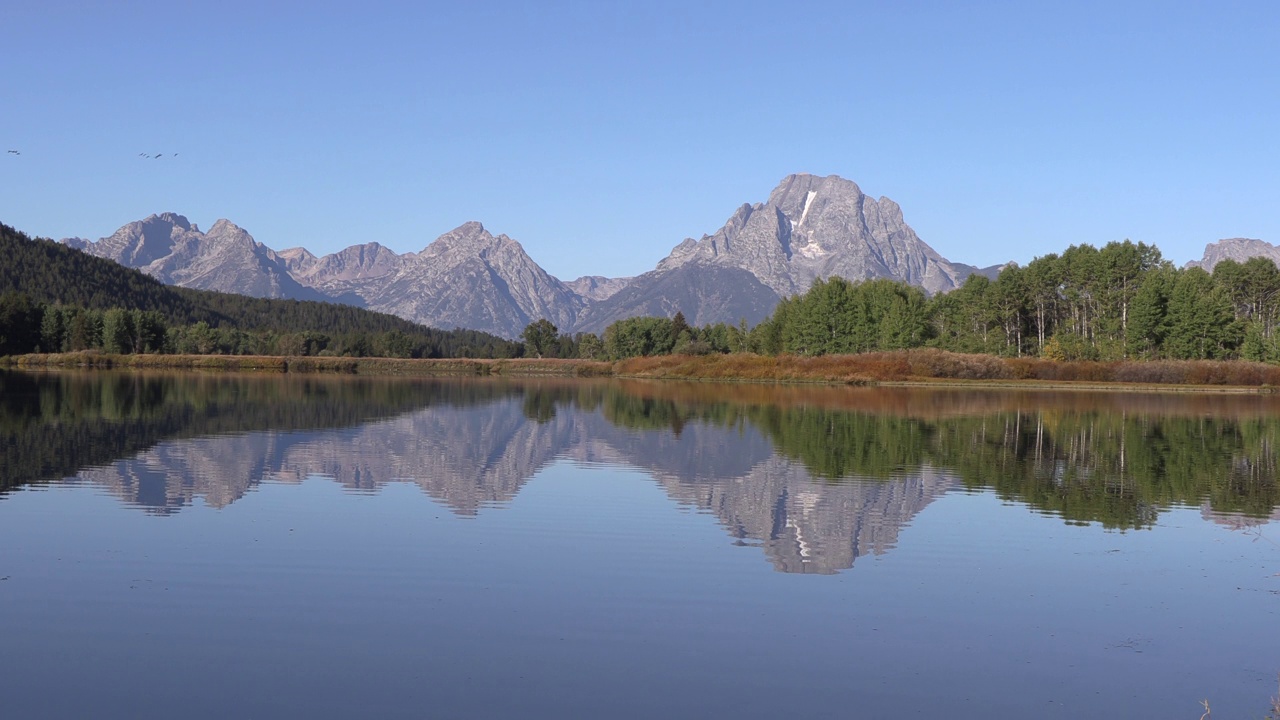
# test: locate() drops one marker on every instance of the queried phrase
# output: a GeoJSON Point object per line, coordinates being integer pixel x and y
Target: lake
{"type": "Point", "coordinates": [215, 546]}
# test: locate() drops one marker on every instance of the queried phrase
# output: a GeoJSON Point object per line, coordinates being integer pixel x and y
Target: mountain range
{"type": "Point", "coordinates": [810, 227]}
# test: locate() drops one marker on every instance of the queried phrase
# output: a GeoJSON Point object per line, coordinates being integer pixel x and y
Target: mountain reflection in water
{"type": "Point", "coordinates": [817, 477]}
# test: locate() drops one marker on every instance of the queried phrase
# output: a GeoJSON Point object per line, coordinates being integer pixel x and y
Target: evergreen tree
{"type": "Point", "coordinates": [1148, 314]}
{"type": "Point", "coordinates": [1201, 318]}
{"type": "Point", "coordinates": [20, 320]}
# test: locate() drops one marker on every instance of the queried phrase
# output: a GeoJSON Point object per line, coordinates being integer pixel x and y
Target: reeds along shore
{"type": "Point", "coordinates": [867, 368]}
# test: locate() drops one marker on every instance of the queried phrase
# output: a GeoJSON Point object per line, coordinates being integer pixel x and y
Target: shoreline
{"type": "Point", "coordinates": [908, 368]}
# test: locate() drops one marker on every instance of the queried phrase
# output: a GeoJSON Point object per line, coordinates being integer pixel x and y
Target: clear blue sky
{"type": "Point", "coordinates": [600, 134]}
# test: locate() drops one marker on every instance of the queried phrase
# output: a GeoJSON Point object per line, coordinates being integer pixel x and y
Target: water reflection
{"type": "Point", "coordinates": [817, 477]}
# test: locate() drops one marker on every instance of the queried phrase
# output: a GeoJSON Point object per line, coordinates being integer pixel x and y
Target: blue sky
{"type": "Point", "coordinates": [600, 134]}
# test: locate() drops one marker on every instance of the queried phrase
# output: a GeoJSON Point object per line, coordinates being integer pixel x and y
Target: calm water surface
{"type": "Point", "coordinates": [221, 546]}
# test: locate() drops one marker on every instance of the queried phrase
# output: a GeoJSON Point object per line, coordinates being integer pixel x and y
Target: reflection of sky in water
{"type": "Point", "coordinates": [593, 594]}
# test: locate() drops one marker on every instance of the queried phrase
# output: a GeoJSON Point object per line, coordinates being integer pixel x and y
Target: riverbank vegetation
{"type": "Point", "coordinates": [931, 364]}
{"type": "Point", "coordinates": [903, 366]}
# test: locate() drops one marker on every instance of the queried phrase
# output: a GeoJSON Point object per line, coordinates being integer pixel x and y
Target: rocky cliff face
{"type": "Point", "coordinates": [815, 227]}
{"type": "Point", "coordinates": [597, 287]}
{"type": "Point", "coordinates": [226, 258]}
{"type": "Point", "coordinates": [346, 270]}
{"type": "Point", "coordinates": [1238, 249]}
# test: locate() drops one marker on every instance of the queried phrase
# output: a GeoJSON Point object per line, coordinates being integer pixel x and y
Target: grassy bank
{"type": "Point", "coordinates": [937, 365]}
{"type": "Point", "coordinates": [347, 365]}
{"type": "Point", "coordinates": [904, 366]}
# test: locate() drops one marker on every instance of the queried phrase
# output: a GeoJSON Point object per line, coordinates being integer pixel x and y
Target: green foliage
{"type": "Point", "coordinates": [638, 337]}
{"type": "Point", "coordinates": [837, 316]}
{"type": "Point", "coordinates": [20, 323]}
{"type": "Point", "coordinates": [590, 347]}
{"type": "Point", "coordinates": [960, 320]}
{"type": "Point", "coordinates": [1201, 320]}
{"type": "Point", "coordinates": [1123, 301]}
{"type": "Point", "coordinates": [540, 339]}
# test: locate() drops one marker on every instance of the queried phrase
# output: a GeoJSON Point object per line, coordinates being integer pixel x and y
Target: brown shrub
{"type": "Point", "coordinates": [958, 366]}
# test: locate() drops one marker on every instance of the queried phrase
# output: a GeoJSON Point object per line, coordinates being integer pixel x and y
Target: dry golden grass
{"type": "Point", "coordinates": [95, 359]}
{"type": "Point", "coordinates": [932, 401]}
{"type": "Point", "coordinates": [929, 364]}
{"type": "Point", "coordinates": [852, 369]}
{"type": "Point", "coordinates": [868, 368]}
{"type": "Point", "coordinates": [526, 367]}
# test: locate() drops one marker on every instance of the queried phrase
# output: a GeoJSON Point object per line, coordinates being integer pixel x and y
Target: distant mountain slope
{"type": "Point", "coordinates": [470, 278]}
{"type": "Point", "coordinates": [705, 293]}
{"type": "Point", "coordinates": [51, 273]}
{"type": "Point", "coordinates": [1238, 249]}
{"type": "Point", "coordinates": [597, 287]}
{"type": "Point", "coordinates": [342, 272]}
{"type": "Point", "coordinates": [991, 272]}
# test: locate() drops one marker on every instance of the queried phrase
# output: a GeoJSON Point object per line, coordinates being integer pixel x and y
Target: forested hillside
{"type": "Point", "coordinates": [56, 298]}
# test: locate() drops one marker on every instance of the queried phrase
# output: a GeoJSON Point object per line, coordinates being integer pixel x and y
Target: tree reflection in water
{"type": "Point", "coordinates": [817, 476]}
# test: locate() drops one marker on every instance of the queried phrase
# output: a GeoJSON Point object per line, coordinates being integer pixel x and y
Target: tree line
{"type": "Point", "coordinates": [1120, 302]}
{"type": "Point", "coordinates": [27, 326]}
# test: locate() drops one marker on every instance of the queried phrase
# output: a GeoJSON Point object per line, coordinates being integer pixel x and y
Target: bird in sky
{"type": "Point", "coordinates": [159, 155]}
{"type": "Point", "coordinates": [14, 152]}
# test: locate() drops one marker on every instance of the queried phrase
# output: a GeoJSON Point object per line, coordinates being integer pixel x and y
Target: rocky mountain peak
{"type": "Point", "coordinates": [797, 191]}
{"type": "Point", "coordinates": [467, 277]}
{"type": "Point", "coordinates": [1238, 249]}
{"type": "Point", "coordinates": [225, 231]}
{"type": "Point", "coordinates": [466, 234]}
{"type": "Point", "coordinates": [811, 227]}
{"type": "Point", "coordinates": [815, 227]}
{"type": "Point", "coordinates": [171, 249]}
{"type": "Point", "coordinates": [597, 287]}
{"type": "Point", "coordinates": [298, 258]}
{"type": "Point", "coordinates": [143, 241]}
{"type": "Point", "coordinates": [357, 262]}
{"type": "Point", "coordinates": [170, 219]}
